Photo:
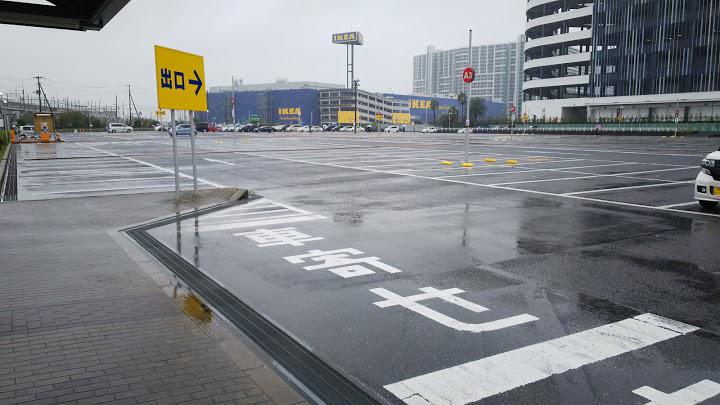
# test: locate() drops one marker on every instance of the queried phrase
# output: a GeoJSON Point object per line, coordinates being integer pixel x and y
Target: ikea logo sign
{"type": "Point", "coordinates": [289, 111]}
{"type": "Point", "coordinates": [352, 38]}
{"type": "Point", "coordinates": [420, 104]}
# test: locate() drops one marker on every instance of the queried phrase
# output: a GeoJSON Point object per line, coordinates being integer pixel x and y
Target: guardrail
{"type": "Point", "coordinates": [633, 131]}
{"type": "Point", "coordinates": [95, 130]}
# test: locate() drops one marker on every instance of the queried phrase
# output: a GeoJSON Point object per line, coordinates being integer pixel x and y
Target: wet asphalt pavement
{"type": "Point", "coordinates": [424, 283]}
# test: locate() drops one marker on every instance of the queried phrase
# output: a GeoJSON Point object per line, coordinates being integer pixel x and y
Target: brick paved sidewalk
{"type": "Point", "coordinates": [81, 322]}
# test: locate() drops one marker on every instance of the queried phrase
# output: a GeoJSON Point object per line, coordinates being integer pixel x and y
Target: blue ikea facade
{"type": "Point", "coordinates": [272, 106]}
{"type": "Point", "coordinates": [296, 106]}
{"type": "Point", "coordinates": [420, 112]}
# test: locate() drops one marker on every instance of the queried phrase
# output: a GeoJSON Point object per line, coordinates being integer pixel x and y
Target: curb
{"type": "Point", "coordinates": [278, 386]}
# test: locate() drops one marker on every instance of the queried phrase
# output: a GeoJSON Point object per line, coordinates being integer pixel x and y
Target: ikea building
{"type": "Point", "coordinates": [302, 103]}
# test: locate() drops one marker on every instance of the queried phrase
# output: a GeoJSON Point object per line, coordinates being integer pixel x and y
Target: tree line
{"type": "Point", "coordinates": [456, 118]}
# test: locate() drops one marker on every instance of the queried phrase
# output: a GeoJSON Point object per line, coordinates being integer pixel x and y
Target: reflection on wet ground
{"type": "Point", "coordinates": [508, 274]}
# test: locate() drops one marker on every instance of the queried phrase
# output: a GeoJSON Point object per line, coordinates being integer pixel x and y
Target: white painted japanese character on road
{"type": "Point", "coordinates": [340, 262]}
{"type": "Point", "coordinates": [691, 395]}
{"type": "Point", "coordinates": [412, 303]}
{"type": "Point", "coordinates": [278, 237]}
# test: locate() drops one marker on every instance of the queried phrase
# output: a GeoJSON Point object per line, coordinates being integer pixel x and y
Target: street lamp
{"type": "Point", "coordinates": [3, 101]}
{"type": "Point", "coordinates": [356, 84]}
{"type": "Point", "coordinates": [449, 119]}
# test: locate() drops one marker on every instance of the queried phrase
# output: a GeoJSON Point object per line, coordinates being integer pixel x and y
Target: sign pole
{"type": "Point", "coordinates": [467, 119]}
{"type": "Point", "coordinates": [180, 78]}
{"type": "Point", "coordinates": [192, 149]}
{"type": "Point", "coordinates": [173, 132]}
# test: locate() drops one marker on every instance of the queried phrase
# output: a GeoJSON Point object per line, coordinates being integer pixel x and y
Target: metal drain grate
{"type": "Point", "coordinates": [326, 383]}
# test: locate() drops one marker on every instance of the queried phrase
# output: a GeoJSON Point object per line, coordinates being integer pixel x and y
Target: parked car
{"type": "Point", "coordinates": [280, 128]}
{"type": "Point", "coordinates": [248, 128]}
{"type": "Point", "coordinates": [202, 127]}
{"type": "Point", "coordinates": [26, 132]}
{"type": "Point", "coordinates": [392, 129]}
{"type": "Point", "coordinates": [265, 128]}
{"type": "Point", "coordinates": [182, 129]}
{"type": "Point", "coordinates": [316, 128]}
{"type": "Point", "coordinates": [429, 130]}
{"type": "Point", "coordinates": [332, 128]}
{"type": "Point", "coordinates": [293, 128]}
{"type": "Point", "coordinates": [707, 183]}
{"type": "Point", "coordinates": [352, 129]}
{"type": "Point", "coordinates": [117, 127]}
{"type": "Point", "coordinates": [463, 131]}
{"type": "Point", "coordinates": [213, 127]}
{"type": "Point", "coordinates": [238, 128]}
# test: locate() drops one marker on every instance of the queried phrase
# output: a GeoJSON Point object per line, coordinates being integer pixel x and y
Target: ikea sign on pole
{"type": "Point", "coordinates": [348, 38]}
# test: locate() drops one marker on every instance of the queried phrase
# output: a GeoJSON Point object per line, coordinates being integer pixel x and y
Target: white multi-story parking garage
{"type": "Point", "coordinates": [620, 60]}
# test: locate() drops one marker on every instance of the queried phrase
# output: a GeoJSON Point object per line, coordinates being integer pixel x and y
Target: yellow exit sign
{"type": "Point", "coordinates": [180, 80]}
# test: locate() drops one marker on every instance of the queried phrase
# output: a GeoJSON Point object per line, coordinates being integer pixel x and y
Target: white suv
{"type": "Point", "coordinates": [392, 129]}
{"type": "Point", "coordinates": [116, 127]}
{"type": "Point", "coordinates": [707, 184]}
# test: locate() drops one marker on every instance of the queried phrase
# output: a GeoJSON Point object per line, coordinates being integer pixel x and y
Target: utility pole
{"type": "Point", "coordinates": [129, 107]}
{"type": "Point", "coordinates": [116, 108]}
{"type": "Point", "coordinates": [39, 92]}
{"type": "Point", "coordinates": [232, 100]}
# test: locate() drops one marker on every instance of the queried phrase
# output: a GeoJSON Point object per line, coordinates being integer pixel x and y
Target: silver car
{"type": "Point", "coordinates": [183, 129]}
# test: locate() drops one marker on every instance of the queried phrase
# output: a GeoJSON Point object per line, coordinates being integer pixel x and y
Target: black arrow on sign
{"type": "Point", "coordinates": [196, 82]}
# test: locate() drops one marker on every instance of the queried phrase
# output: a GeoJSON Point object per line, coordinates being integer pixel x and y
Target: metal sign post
{"type": "Point", "coordinates": [512, 120]}
{"type": "Point", "coordinates": [468, 80]}
{"type": "Point", "coordinates": [173, 133]}
{"type": "Point", "coordinates": [192, 150]}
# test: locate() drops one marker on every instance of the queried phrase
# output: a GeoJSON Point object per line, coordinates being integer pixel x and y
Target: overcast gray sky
{"type": "Point", "coordinates": [258, 41]}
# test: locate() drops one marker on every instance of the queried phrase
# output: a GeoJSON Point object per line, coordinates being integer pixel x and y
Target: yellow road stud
{"type": "Point", "coordinates": [511, 162]}
{"type": "Point", "coordinates": [447, 163]}
{"type": "Point", "coordinates": [468, 164]}
{"type": "Point", "coordinates": [490, 160]}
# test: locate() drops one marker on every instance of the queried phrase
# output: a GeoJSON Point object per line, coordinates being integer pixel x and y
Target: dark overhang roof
{"type": "Point", "coordinates": [78, 15]}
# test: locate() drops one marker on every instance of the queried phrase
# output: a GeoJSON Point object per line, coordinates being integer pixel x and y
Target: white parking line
{"type": "Point", "coordinates": [627, 188]}
{"type": "Point", "coordinates": [648, 171]}
{"type": "Point", "coordinates": [644, 153]}
{"type": "Point", "coordinates": [687, 204]}
{"type": "Point", "coordinates": [187, 176]}
{"type": "Point", "coordinates": [454, 181]}
{"type": "Point", "coordinates": [511, 171]}
{"type": "Point", "coordinates": [477, 380]}
{"type": "Point", "coordinates": [219, 161]}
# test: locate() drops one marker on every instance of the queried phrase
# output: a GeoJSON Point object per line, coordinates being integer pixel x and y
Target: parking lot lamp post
{"type": "Point", "coordinates": [677, 116]}
{"type": "Point", "coordinates": [3, 115]}
{"type": "Point", "coordinates": [356, 84]}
